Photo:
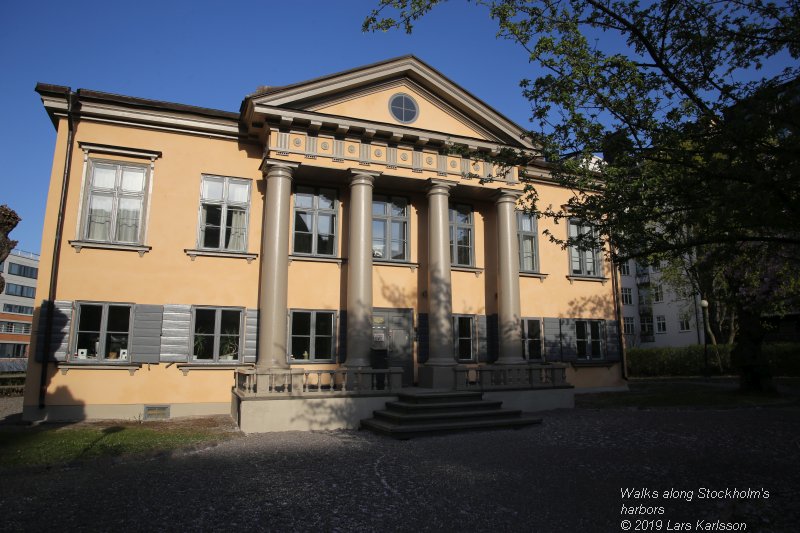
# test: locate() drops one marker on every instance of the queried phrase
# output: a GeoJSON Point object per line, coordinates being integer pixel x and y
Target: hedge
{"type": "Point", "coordinates": [784, 358]}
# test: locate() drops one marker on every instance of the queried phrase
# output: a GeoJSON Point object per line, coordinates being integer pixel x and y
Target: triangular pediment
{"type": "Point", "coordinates": [365, 94]}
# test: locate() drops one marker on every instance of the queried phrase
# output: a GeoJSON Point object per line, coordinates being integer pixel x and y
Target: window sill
{"type": "Point", "coordinates": [66, 367]}
{"type": "Point", "coordinates": [412, 266]}
{"type": "Point", "coordinates": [110, 246]}
{"type": "Point", "coordinates": [596, 279]}
{"type": "Point", "coordinates": [474, 270]}
{"type": "Point", "coordinates": [193, 253]}
{"type": "Point", "coordinates": [312, 362]}
{"type": "Point", "coordinates": [593, 364]}
{"type": "Point", "coordinates": [188, 367]}
{"type": "Point", "coordinates": [316, 259]}
{"type": "Point", "coordinates": [541, 277]}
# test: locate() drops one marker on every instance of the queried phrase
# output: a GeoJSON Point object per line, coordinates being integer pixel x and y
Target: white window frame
{"type": "Point", "coordinates": [454, 226]}
{"type": "Point", "coordinates": [628, 325]}
{"type": "Point", "coordinates": [522, 235]}
{"type": "Point", "coordinates": [685, 322]}
{"type": "Point", "coordinates": [224, 204]}
{"type": "Point", "coordinates": [315, 211]}
{"type": "Point", "coordinates": [103, 333]}
{"type": "Point", "coordinates": [578, 255]}
{"type": "Point", "coordinates": [116, 193]}
{"type": "Point", "coordinates": [389, 218]}
{"type": "Point", "coordinates": [627, 295]}
{"type": "Point", "coordinates": [312, 335]}
{"type": "Point", "coordinates": [625, 268]}
{"type": "Point", "coordinates": [594, 345]}
{"type": "Point", "coordinates": [217, 335]}
{"type": "Point", "coordinates": [457, 339]}
{"type": "Point", "coordinates": [661, 324]}
{"type": "Point", "coordinates": [658, 293]}
{"type": "Point", "coordinates": [527, 339]}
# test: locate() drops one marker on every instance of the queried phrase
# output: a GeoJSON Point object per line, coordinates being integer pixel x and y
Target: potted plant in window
{"type": "Point", "coordinates": [229, 346]}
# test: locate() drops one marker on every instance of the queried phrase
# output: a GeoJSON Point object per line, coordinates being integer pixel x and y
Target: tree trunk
{"type": "Point", "coordinates": [747, 356]}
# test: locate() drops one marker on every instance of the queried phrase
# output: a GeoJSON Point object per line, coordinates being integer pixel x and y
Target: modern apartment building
{"type": "Point", "coordinates": [17, 303]}
{"type": "Point", "coordinates": [653, 313]}
{"type": "Point", "coordinates": [323, 246]}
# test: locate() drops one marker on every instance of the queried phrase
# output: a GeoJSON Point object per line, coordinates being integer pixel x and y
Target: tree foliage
{"type": "Point", "coordinates": [694, 107]}
{"type": "Point", "coordinates": [8, 221]}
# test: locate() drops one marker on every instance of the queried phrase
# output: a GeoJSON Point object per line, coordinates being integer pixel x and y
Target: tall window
{"type": "Point", "coordinates": [224, 209]}
{"type": "Point", "coordinates": [685, 325]}
{"type": "Point", "coordinates": [647, 327]}
{"type": "Point", "coordinates": [658, 293]}
{"type": "Point", "coordinates": [528, 248]}
{"type": "Point", "coordinates": [625, 268]}
{"type": "Point", "coordinates": [461, 235]}
{"type": "Point", "coordinates": [390, 228]}
{"type": "Point", "coordinates": [583, 256]}
{"type": "Point", "coordinates": [315, 221]}
{"type": "Point", "coordinates": [217, 334]}
{"type": "Point", "coordinates": [313, 334]}
{"type": "Point", "coordinates": [589, 338]}
{"type": "Point", "coordinates": [23, 270]}
{"type": "Point", "coordinates": [12, 289]}
{"type": "Point", "coordinates": [532, 338]}
{"type": "Point", "coordinates": [661, 324]}
{"type": "Point", "coordinates": [103, 331]}
{"type": "Point", "coordinates": [628, 325]}
{"type": "Point", "coordinates": [627, 296]}
{"type": "Point", "coordinates": [115, 202]}
{"type": "Point", "coordinates": [463, 327]}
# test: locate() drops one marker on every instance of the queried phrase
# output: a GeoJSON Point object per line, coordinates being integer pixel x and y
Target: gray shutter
{"type": "Point", "coordinates": [569, 340]}
{"type": "Point", "coordinates": [612, 340]}
{"type": "Point", "coordinates": [58, 345]}
{"type": "Point", "coordinates": [342, 336]}
{"type": "Point", "coordinates": [146, 345]}
{"type": "Point", "coordinates": [250, 336]}
{"type": "Point", "coordinates": [422, 338]}
{"type": "Point", "coordinates": [552, 339]}
{"type": "Point", "coordinates": [482, 334]}
{"type": "Point", "coordinates": [176, 333]}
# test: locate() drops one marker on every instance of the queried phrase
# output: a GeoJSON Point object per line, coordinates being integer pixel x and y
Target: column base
{"type": "Point", "coordinates": [437, 377]}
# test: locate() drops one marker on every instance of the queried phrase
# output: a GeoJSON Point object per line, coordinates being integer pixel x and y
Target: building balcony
{"type": "Point", "coordinates": [500, 377]}
{"type": "Point", "coordinates": [287, 383]}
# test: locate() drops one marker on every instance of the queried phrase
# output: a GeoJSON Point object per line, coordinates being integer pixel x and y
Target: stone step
{"type": "Point", "coordinates": [439, 396]}
{"type": "Point", "coordinates": [448, 416]}
{"type": "Point", "coordinates": [436, 407]}
{"type": "Point", "coordinates": [403, 432]}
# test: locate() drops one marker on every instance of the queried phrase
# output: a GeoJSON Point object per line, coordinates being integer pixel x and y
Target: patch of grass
{"type": "Point", "coordinates": [45, 446]}
{"type": "Point", "coordinates": [648, 394]}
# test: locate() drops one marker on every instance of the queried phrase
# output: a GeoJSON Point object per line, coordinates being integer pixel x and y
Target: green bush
{"type": "Point", "coordinates": [784, 360]}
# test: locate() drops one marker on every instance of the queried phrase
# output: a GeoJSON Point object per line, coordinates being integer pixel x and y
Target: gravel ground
{"type": "Point", "coordinates": [10, 409]}
{"type": "Point", "coordinates": [564, 475]}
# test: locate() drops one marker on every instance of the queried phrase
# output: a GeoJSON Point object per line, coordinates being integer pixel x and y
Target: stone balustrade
{"type": "Point", "coordinates": [500, 377]}
{"type": "Point", "coordinates": [281, 383]}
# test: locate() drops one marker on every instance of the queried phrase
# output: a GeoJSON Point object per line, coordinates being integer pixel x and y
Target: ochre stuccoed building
{"type": "Point", "coordinates": [324, 246]}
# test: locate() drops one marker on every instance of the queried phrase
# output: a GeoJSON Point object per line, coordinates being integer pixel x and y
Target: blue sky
{"type": "Point", "coordinates": [212, 54]}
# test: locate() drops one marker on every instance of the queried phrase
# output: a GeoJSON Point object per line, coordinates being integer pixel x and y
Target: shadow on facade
{"type": "Point", "coordinates": [595, 306]}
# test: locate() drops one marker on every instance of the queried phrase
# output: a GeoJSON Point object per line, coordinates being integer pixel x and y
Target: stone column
{"type": "Point", "coordinates": [508, 308]}
{"type": "Point", "coordinates": [272, 301]}
{"type": "Point", "coordinates": [359, 269]}
{"type": "Point", "coordinates": [438, 371]}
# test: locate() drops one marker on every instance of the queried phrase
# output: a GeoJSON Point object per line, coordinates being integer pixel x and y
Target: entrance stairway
{"type": "Point", "coordinates": [421, 413]}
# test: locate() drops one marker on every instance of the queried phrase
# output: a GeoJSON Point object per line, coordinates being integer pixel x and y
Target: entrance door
{"type": "Point", "coordinates": [399, 326]}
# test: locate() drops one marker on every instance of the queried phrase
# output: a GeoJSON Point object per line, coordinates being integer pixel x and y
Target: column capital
{"type": "Point", "coordinates": [362, 177]}
{"type": "Point", "coordinates": [437, 186]}
{"type": "Point", "coordinates": [268, 164]}
{"type": "Point", "coordinates": [508, 195]}
{"type": "Point", "coordinates": [355, 172]}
